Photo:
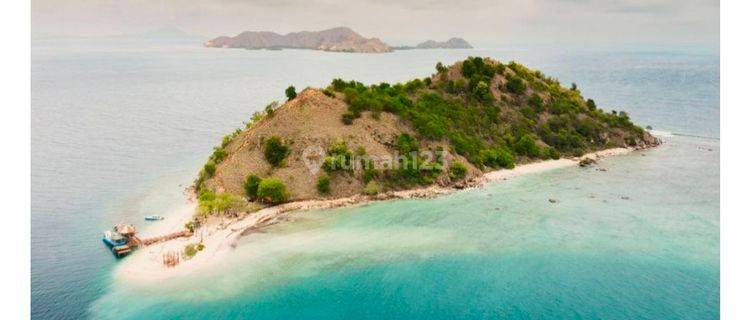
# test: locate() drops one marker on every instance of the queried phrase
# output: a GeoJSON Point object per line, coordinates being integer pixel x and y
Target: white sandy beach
{"type": "Point", "coordinates": [145, 266]}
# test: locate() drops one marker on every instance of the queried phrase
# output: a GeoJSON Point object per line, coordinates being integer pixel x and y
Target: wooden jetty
{"type": "Point", "coordinates": [166, 237]}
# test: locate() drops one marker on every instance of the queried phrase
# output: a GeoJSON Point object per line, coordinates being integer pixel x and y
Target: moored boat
{"type": "Point", "coordinates": [153, 218]}
{"type": "Point", "coordinates": [114, 239]}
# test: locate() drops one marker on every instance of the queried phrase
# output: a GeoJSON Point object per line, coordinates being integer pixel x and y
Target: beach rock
{"type": "Point", "coordinates": [585, 162]}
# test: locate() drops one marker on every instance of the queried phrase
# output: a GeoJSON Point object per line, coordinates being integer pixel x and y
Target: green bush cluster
{"type": "Point", "coordinates": [412, 168]}
{"type": "Point", "coordinates": [339, 158]}
{"type": "Point", "coordinates": [376, 98]}
{"type": "Point", "coordinates": [272, 191]}
{"type": "Point", "coordinates": [324, 185]}
{"type": "Point", "coordinates": [210, 203]}
{"type": "Point", "coordinates": [550, 153]}
{"type": "Point", "coordinates": [497, 158]}
{"type": "Point", "coordinates": [527, 146]}
{"type": "Point", "coordinates": [372, 188]}
{"type": "Point", "coordinates": [190, 250]}
{"type": "Point", "coordinates": [440, 67]}
{"type": "Point", "coordinates": [457, 170]}
{"type": "Point", "coordinates": [209, 168]}
{"type": "Point", "coordinates": [275, 151]}
{"type": "Point", "coordinates": [515, 85]}
{"type": "Point", "coordinates": [251, 186]}
{"type": "Point", "coordinates": [480, 74]}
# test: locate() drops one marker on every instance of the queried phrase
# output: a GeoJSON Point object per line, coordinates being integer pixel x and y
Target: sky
{"type": "Point", "coordinates": [399, 22]}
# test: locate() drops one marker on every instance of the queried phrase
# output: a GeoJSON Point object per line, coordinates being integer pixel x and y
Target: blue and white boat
{"type": "Point", "coordinates": [114, 239]}
{"type": "Point", "coordinates": [153, 218]}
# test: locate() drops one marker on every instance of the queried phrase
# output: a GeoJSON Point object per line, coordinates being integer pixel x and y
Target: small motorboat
{"type": "Point", "coordinates": [153, 218]}
{"type": "Point", "coordinates": [114, 239]}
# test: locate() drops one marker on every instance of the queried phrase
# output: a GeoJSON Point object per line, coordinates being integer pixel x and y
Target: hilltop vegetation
{"type": "Point", "coordinates": [493, 113]}
{"type": "Point", "coordinates": [474, 116]}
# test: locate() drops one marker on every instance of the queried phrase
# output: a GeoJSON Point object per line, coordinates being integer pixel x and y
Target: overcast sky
{"type": "Point", "coordinates": [484, 22]}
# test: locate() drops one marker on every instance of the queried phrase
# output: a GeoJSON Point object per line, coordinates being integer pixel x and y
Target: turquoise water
{"type": "Point", "coordinates": [119, 130]}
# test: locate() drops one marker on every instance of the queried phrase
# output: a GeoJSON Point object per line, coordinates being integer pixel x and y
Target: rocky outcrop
{"type": "Point", "coordinates": [339, 39]}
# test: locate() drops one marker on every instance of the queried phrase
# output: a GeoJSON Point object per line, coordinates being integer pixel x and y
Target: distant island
{"type": "Point", "coordinates": [452, 43]}
{"type": "Point", "coordinates": [339, 39]}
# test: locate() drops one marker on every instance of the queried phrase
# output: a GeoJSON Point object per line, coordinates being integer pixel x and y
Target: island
{"type": "Point", "coordinates": [452, 43]}
{"type": "Point", "coordinates": [471, 122]}
{"type": "Point", "coordinates": [477, 115]}
{"type": "Point", "coordinates": [340, 39]}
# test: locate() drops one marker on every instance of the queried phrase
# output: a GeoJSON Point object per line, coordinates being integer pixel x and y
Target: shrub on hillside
{"type": "Point", "coordinates": [497, 158]}
{"type": "Point", "coordinates": [405, 144]}
{"type": "Point", "coordinates": [536, 102]}
{"type": "Point", "coordinates": [482, 92]}
{"type": "Point", "coordinates": [440, 67]}
{"type": "Point", "coordinates": [372, 188]}
{"type": "Point", "coordinates": [515, 85]}
{"type": "Point", "coordinates": [324, 185]}
{"type": "Point", "coordinates": [271, 108]}
{"type": "Point", "coordinates": [219, 155]}
{"type": "Point", "coordinates": [551, 153]}
{"type": "Point", "coordinates": [458, 170]}
{"type": "Point", "coordinates": [275, 151]}
{"type": "Point", "coordinates": [527, 146]}
{"type": "Point", "coordinates": [272, 191]}
{"type": "Point", "coordinates": [591, 104]}
{"type": "Point", "coordinates": [209, 168]}
{"type": "Point", "coordinates": [348, 117]}
{"type": "Point", "coordinates": [251, 186]}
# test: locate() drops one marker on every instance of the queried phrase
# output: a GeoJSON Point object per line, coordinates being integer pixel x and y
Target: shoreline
{"type": "Point", "coordinates": [220, 235]}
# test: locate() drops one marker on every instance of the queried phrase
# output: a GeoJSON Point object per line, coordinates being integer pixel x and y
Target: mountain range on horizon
{"type": "Point", "coordinates": [339, 39]}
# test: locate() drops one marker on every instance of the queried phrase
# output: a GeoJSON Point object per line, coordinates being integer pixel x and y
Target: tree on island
{"type": "Point", "coordinates": [291, 93]}
{"type": "Point", "coordinates": [275, 151]}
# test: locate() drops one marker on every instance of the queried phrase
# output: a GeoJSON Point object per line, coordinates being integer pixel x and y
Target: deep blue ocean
{"type": "Point", "coordinates": [119, 128]}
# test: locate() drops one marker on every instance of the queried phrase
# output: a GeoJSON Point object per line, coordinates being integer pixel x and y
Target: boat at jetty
{"type": "Point", "coordinates": [114, 239]}
{"type": "Point", "coordinates": [122, 239]}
